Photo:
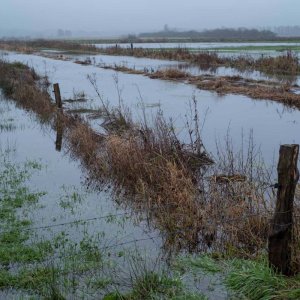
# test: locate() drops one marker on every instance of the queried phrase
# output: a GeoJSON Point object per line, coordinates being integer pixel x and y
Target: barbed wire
{"type": "Point", "coordinates": [220, 221]}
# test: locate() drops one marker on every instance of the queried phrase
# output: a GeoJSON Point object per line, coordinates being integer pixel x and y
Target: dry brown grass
{"type": "Point", "coordinates": [123, 69]}
{"type": "Point", "coordinates": [170, 73]}
{"type": "Point", "coordinates": [36, 45]}
{"type": "Point", "coordinates": [286, 64]}
{"type": "Point", "coordinates": [251, 88]}
{"type": "Point", "coordinates": [20, 83]}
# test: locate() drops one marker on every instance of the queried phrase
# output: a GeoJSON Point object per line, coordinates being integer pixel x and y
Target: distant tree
{"type": "Point", "coordinates": [215, 34]}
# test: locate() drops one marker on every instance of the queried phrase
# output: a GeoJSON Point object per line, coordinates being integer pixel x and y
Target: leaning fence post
{"type": "Point", "coordinates": [57, 95]}
{"type": "Point", "coordinates": [280, 239]}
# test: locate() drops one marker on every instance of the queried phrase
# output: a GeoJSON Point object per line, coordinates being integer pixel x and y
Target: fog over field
{"type": "Point", "coordinates": [113, 17]}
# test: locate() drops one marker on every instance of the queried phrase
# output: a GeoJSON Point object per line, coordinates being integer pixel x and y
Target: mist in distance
{"type": "Point", "coordinates": [107, 18]}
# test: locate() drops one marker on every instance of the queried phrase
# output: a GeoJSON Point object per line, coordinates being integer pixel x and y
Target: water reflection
{"type": "Point", "coordinates": [59, 134]}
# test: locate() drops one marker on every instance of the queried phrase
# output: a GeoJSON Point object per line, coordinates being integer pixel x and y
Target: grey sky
{"type": "Point", "coordinates": [134, 16]}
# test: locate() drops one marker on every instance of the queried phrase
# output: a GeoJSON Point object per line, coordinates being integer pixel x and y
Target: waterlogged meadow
{"type": "Point", "coordinates": [139, 188]}
{"type": "Point", "coordinates": [62, 237]}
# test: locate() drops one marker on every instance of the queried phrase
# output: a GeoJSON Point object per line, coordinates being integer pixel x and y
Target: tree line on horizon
{"type": "Point", "coordinates": [219, 33]}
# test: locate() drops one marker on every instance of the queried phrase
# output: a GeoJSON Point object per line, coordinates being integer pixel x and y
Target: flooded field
{"type": "Point", "coordinates": [152, 65]}
{"type": "Point", "coordinates": [78, 215]}
{"type": "Point", "coordinates": [201, 45]}
{"type": "Point", "coordinates": [149, 150]}
{"type": "Point", "coordinates": [272, 124]}
{"type": "Point", "coordinates": [73, 212]}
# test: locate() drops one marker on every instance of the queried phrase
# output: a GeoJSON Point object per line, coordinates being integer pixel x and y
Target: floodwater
{"type": "Point", "coordinates": [96, 213]}
{"type": "Point", "coordinates": [272, 123]}
{"type": "Point", "coordinates": [201, 45]}
{"type": "Point", "coordinates": [152, 65]}
{"type": "Point", "coordinates": [61, 176]}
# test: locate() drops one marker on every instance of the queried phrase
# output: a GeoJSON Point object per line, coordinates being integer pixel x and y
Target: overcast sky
{"type": "Point", "coordinates": [134, 16]}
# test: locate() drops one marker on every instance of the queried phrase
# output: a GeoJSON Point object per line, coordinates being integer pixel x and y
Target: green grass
{"type": "Point", "coordinates": [15, 232]}
{"type": "Point", "coordinates": [256, 280]}
{"type": "Point", "coordinates": [24, 260]}
{"type": "Point", "coordinates": [154, 286]}
{"type": "Point", "coordinates": [206, 263]}
{"type": "Point", "coordinates": [245, 279]}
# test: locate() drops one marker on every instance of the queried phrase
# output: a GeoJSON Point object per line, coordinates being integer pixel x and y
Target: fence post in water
{"type": "Point", "coordinates": [280, 238]}
{"type": "Point", "coordinates": [57, 95]}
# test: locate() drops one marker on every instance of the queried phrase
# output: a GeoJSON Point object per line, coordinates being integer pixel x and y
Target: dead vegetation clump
{"type": "Point", "coordinates": [286, 64]}
{"type": "Point", "coordinates": [169, 73]}
{"type": "Point", "coordinates": [42, 44]}
{"type": "Point", "coordinates": [124, 69]}
{"type": "Point", "coordinates": [207, 59]}
{"type": "Point", "coordinates": [252, 88]}
{"type": "Point", "coordinates": [22, 84]}
{"type": "Point", "coordinates": [168, 54]}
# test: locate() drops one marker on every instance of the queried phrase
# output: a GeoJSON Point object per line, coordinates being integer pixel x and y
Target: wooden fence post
{"type": "Point", "coordinates": [57, 95]}
{"type": "Point", "coordinates": [280, 239]}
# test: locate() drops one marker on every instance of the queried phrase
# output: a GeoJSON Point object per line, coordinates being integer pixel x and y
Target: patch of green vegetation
{"type": "Point", "coordinates": [15, 230]}
{"type": "Point", "coordinates": [83, 110]}
{"type": "Point", "coordinates": [100, 283]}
{"type": "Point", "coordinates": [70, 197]}
{"type": "Point", "coordinates": [256, 280]}
{"type": "Point", "coordinates": [7, 126]}
{"type": "Point", "coordinates": [246, 279]}
{"type": "Point", "coordinates": [18, 65]}
{"type": "Point", "coordinates": [33, 273]}
{"type": "Point", "coordinates": [43, 280]}
{"type": "Point", "coordinates": [153, 285]}
{"type": "Point", "coordinates": [206, 263]}
{"type": "Point", "coordinates": [14, 248]}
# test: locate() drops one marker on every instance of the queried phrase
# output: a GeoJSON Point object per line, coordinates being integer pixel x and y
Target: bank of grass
{"type": "Point", "coordinates": [21, 83]}
{"type": "Point", "coordinates": [32, 46]}
{"type": "Point", "coordinates": [244, 279]}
